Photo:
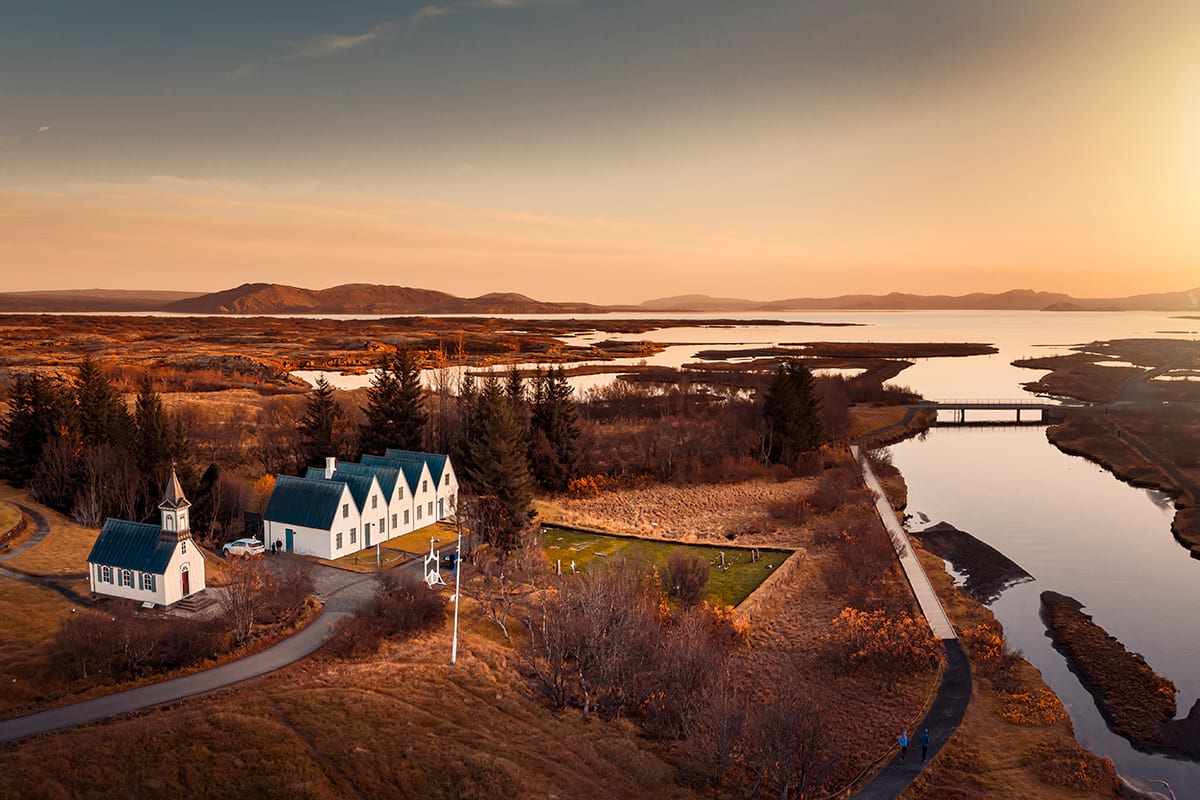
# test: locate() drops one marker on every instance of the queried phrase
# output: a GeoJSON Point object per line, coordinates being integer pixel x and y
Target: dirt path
{"type": "Point", "coordinates": [40, 529]}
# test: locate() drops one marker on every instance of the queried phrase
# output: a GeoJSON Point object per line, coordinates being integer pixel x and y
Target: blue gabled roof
{"type": "Point", "coordinates": [386, 475]}
{"type": "Point", "coordinates": [304, 501]}
{"type": "Point", "coordinates": [131, 545]}
{"type": "Point", "coordinates": [359, 480]}
{"type": "Point", "coordinates": [410, 467]}
{"type": "Point", "coordinates": [435, 461]}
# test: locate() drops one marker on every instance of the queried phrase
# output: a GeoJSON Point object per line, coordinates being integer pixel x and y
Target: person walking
{"type": "Point", "coordinates": [903, 741]}
{"type": "Point", "coordinates": [924, 744]}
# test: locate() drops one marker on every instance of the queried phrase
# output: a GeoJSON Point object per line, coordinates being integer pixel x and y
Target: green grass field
{"type": "Point", "coordinates": [728, 586]}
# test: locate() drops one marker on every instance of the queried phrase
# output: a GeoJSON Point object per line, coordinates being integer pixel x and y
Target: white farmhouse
{"type": "Point", "coordinates": [345, 507]}
{"type": "Point", "coordinates": [158, 564]}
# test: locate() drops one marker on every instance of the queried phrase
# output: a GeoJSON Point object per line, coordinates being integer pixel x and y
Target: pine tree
{"type": "Point", "coordinates": [792, 413]}
{"type": "Point", "coordinates": [554, 448]}
{"type": "Point", "coordinates": [102, 417]}
{"type": "Point", "coordinates": [395, 409]}
{"type": "Point", "coordinates": [34, 418]}
{"type": "Point", "coordinates": [318, 427]}
{"type": "Point", "coordinates": [498, 467]}
{"type": "Point", "coordinates": [154, 442]}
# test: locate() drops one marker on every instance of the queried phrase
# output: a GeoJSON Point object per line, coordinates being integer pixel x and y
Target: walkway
{"type": "Point", "coordinates": [954, 693]}
{"type": "Point", "coordinates": [40, 529]}
{"type": "Point", "coordinates": [942, 720]}
{"type": "Point", "coordinates": [927, 599]}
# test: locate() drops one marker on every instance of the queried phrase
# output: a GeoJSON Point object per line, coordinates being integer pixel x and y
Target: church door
{"type": "Point", "coordinates": [186, 585]}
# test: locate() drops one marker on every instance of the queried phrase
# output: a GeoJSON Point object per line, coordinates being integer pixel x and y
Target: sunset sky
{"type": "Point", "coordinates": [603, 150]}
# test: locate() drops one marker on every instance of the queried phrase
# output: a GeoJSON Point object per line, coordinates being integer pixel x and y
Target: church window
{"type": "Point", "coordinates": [106, 574]}
{"type": "Point", "coordinates": [127, 578]}
{"type": "Point", "coordinates": [183, 548]}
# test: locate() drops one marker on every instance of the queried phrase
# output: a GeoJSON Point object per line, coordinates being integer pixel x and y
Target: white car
{"type": "Point", "coordinates": [243, 547]}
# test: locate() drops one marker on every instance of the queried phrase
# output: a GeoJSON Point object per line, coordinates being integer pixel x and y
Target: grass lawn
{"type": "Point", "coordinates": [366, 558]}
{"type": "Point", "coordinates": [418, 540]}
{"type": "Point", "coordinates": [725, 586]}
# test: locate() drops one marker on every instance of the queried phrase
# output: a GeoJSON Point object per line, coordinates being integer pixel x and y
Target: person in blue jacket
{"type": "Point", "coordinates": [903, 741]}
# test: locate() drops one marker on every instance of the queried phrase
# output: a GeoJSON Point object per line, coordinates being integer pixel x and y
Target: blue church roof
{"type": "Point", "coordinates": [131, 545]}
{"type": "Point", "coordinates": [303, 501]}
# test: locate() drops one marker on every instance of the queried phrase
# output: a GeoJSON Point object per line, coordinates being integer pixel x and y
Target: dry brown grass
{"type": "Point", "coordinates": [699, 513]}
{"type": "Point", "coordinates": [401, 724]}
{"type": "Point", "coordinates": [990, 757]}
{"type": "Point", "coordinates": [10, 515]}
{"type": "Point", "coordinates": [63, 552]}
{"type": "Point", "coordinates": [29, 616]}
{"type": "Point", "coordinates": [864, 420]}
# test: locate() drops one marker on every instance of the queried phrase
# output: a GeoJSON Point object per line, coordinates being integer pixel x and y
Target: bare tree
{"type": "Point", "coordinates": [785, 745]}
{"type": "Point", "coordinates": [717, 728]}
{"type": "Point", "coordinates": [243, 580]}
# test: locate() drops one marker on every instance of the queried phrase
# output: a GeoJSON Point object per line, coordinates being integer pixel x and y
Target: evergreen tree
{"type": "Point", "coordinates": [395, 408]}
{"type": "Point", "coordinates": [793, 414]}
{"type": "Point", "coordinates": [498, 468]}
{"type": "Point", "coordinates": [154, 440]}
{"type": "Point", "coordinates": [101, 415]}
{"type": "Point", "coordinates": [318, 427]}
{"type": "Point", "coordinates": [34, 416]}
{"type": "Point", "coordinates": [554, 448]}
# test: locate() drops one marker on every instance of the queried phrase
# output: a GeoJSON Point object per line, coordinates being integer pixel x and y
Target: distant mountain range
{"type": "Point", "coordinates": [363, 298]}
{"type": "Point", "coordinates": [1014, 300]}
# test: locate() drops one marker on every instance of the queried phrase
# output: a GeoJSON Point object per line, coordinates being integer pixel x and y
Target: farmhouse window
{"type": "Point", "coordinates": [418, 512]}
{"type": "Point", "coordinates": [353, 536]}
{"type": "Point", "coordinates": [446, 481]}
{"type": "Point", "coordinates": [406, 516]}
{"type": "Point", "coordinates": [431, 508]}
{"type": "Point", "coordinates": [424, 486]}
{"type": "Point", "coordinates": [382, 524]}
{"type": "Point", "coordinates": [345, 510]}
{"type": "Point", "coordinates": [374, 501]}
{"type": "Point", "coordinates": [394, 522]}
{"type": "Point", "coordinates": [339, 540]}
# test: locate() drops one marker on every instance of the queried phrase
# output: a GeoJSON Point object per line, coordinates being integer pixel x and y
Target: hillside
{"type": "Point", "coordinates": [363, 298]}
{"type": "Point", "coordinates": [89, 300]}
{"type": "Point", "coordinates": [1012, 300]}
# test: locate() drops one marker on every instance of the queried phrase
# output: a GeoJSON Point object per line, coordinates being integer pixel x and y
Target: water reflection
{"type": "Point", "coordinates": [1081, 532]}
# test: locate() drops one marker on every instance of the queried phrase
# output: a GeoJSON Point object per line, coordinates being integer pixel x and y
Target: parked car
{"type": "Point", "coordinates": [243, 547]}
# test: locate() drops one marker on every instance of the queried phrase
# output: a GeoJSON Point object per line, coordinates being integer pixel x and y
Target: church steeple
{"type": "Point", "coordinates": [173, 508]}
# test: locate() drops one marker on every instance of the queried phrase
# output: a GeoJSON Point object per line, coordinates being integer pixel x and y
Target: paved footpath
{"type": "Point", "coordinates": [954, 693]}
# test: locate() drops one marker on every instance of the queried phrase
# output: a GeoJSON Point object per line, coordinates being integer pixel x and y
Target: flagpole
{"type": "Point", "coordinates": [457, 583]}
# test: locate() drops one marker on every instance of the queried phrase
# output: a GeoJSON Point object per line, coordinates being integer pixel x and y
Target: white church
{"type": "Point", "coordinates": [157, 564]}
{"type": "Point", "coordinates": [345, 507]}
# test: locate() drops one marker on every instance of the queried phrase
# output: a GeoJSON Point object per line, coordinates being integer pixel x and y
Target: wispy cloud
{"type": "Point", "coordinates": [430, 12]}
{"type": "Point", "coordinates": [317, 47]}
{"type": "Point", "coordinates": [43, 129]}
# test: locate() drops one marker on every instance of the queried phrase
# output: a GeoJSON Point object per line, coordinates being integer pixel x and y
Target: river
{"type": "Point", "coordinates": [1074, 527]}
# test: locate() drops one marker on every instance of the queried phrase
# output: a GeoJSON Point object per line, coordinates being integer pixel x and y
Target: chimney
{"type": "Point", "coordinates": [330, 465]}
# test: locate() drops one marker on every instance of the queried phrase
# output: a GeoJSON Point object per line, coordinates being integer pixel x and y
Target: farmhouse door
{"type": "Point", "coordinates": [367, 534]}
{"type": "Point", "coordinates": [187, 589]}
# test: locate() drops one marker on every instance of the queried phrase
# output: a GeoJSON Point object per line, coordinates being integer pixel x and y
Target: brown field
{"type": "Point", "coordinates": [30, 615]}
{"type": "Point", "coordinates": [64, 552]}
{"type": "Point", "coordinates": [698, 513]}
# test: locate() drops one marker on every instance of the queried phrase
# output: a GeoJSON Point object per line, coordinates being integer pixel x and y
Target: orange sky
{"type": "Point", "coordinates": [959, 147]}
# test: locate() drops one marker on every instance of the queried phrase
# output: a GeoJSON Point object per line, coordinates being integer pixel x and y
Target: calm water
{"type": "Point", "coordinates": [1018, 334]}
{"type": "Point", "coordinates": [1081, 532]}
{"type": "Point", "coordinates": [1077, 529]}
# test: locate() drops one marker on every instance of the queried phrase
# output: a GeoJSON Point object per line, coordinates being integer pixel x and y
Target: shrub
{"type": "Point", "coordinates": [1069, 765]}
{"type": "Point", "coordinates": [890, 645]}
{"type": "Point", "coordinates": [401, 607]}
{"type": "Point", "coordinates": [686, 578]}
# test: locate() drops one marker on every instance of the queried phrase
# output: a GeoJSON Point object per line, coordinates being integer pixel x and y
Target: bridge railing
{"type": "Point", "coordinates": [998, 403]}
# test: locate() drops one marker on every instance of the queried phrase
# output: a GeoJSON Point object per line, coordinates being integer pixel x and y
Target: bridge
{"type": "Point", "coordinates": [1036, 412]}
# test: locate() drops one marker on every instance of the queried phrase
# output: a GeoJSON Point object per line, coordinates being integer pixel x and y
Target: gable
{"type": "Point", "coordinates": [131, 545]}
{"type": "Point", "coordinates": [434, 461]}
{"type": "Point", "coordinates": [304, 502]}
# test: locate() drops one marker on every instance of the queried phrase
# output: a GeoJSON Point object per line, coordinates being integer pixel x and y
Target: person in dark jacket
{"type": "Point", "coordinates": [924, 743]}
